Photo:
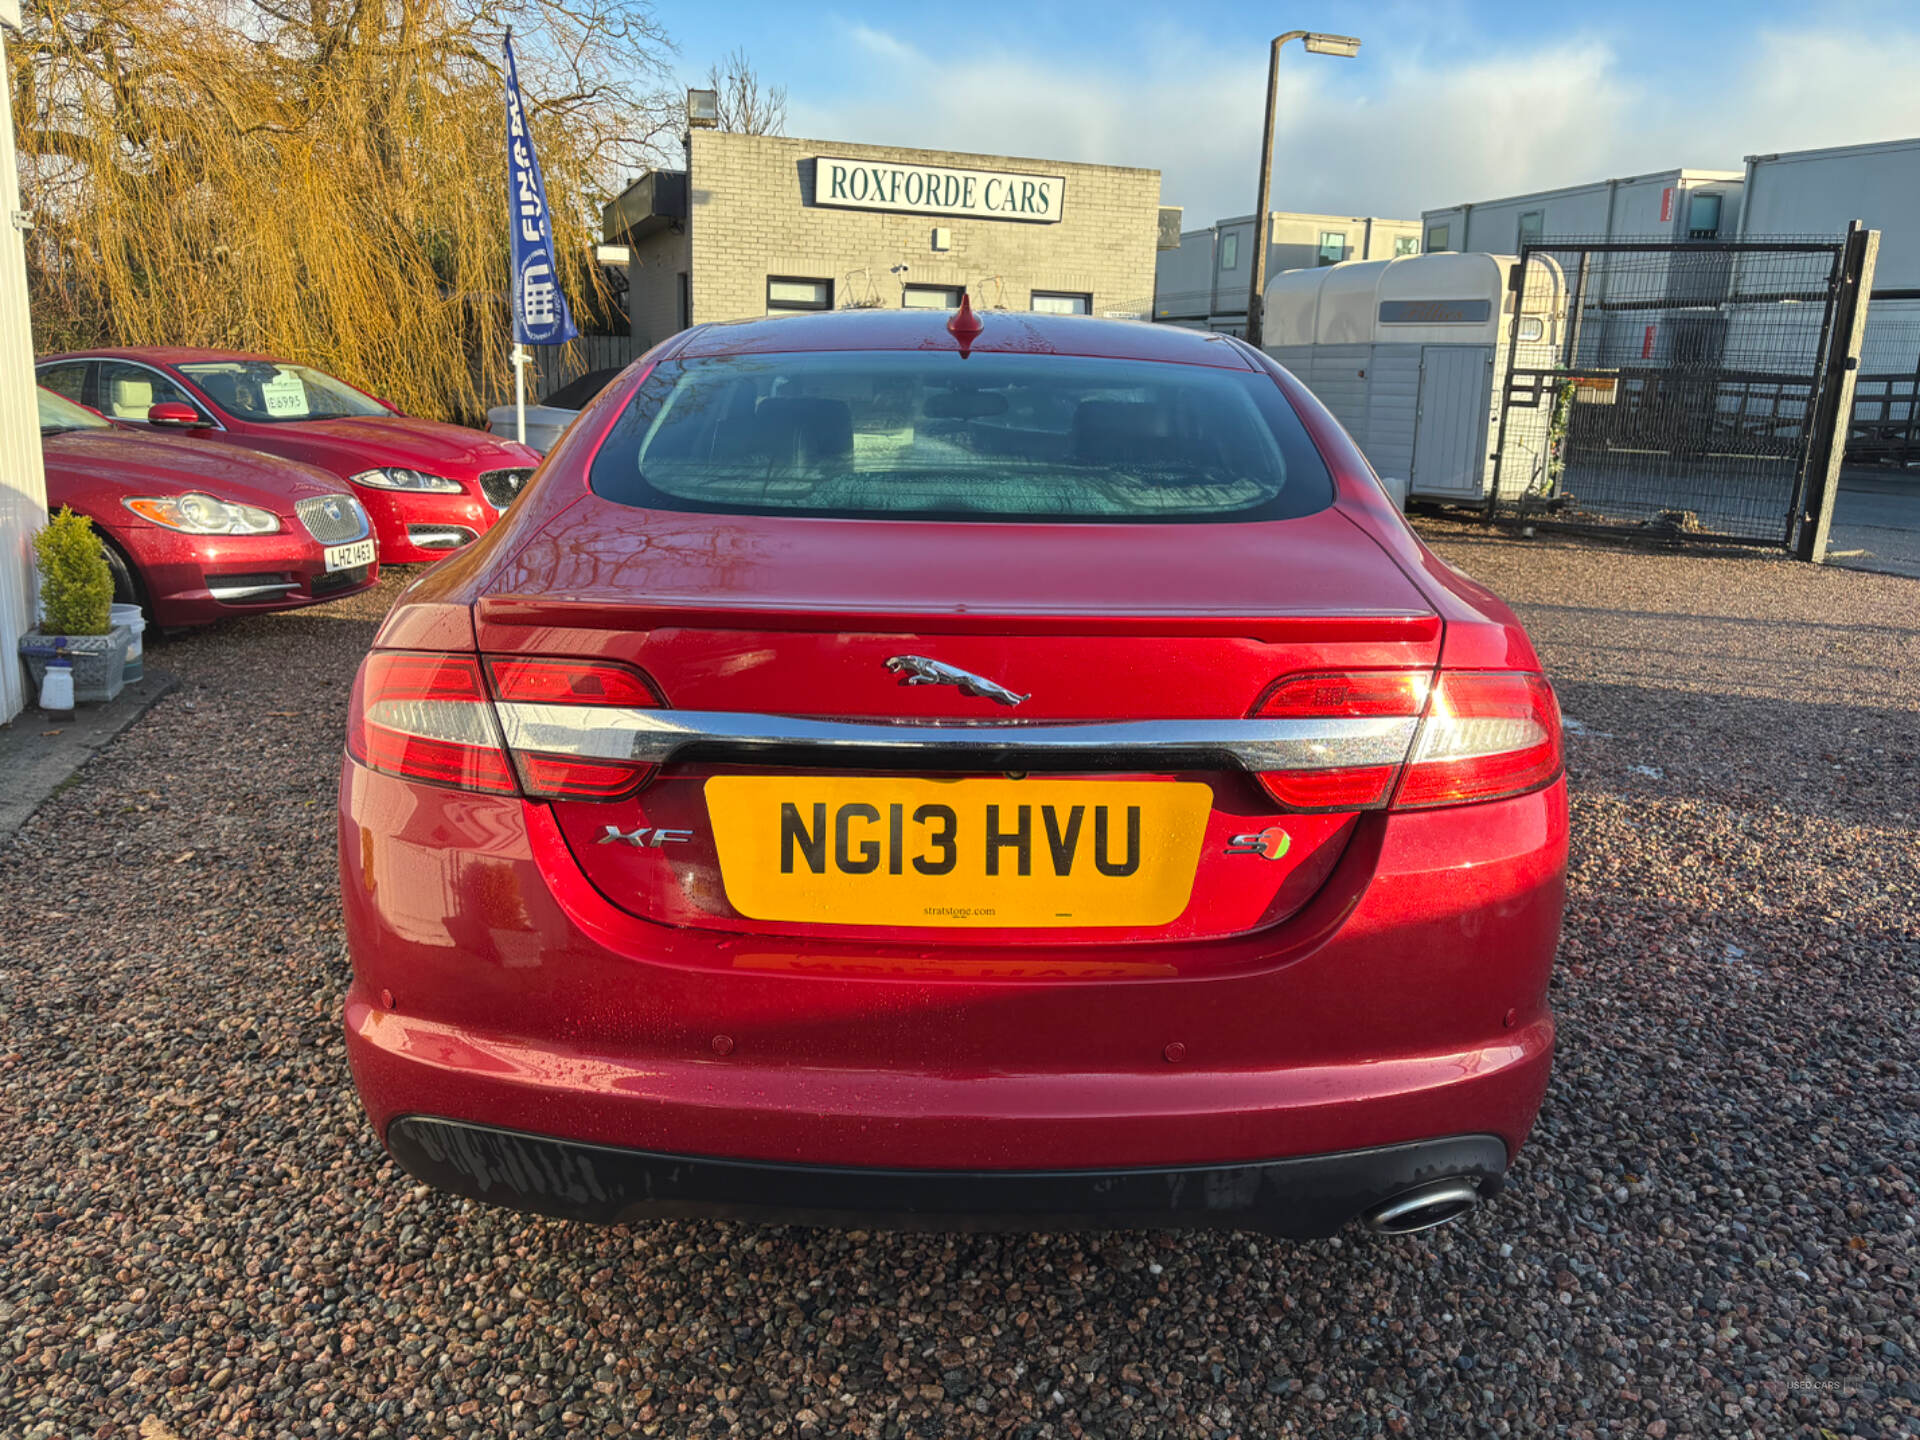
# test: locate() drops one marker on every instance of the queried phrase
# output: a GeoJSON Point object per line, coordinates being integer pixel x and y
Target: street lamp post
{"type": "Point", "coordinates": [1317, 44]}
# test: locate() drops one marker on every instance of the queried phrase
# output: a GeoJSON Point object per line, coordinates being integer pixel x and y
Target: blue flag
{"type": "Point", "coordinates": [540, 315]}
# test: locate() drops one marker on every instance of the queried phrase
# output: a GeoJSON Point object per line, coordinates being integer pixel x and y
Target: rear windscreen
{"type": "Point", "coordinates": [906, 434]}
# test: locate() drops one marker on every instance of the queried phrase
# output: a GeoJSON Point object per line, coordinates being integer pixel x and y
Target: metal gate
{"type": "Point", "coordinates": [1690, 390]}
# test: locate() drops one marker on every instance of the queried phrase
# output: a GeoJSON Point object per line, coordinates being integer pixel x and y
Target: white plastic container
{"type": "Point", "coordinates": [130, 616]}
{"type": "Point", "coordinates": [56, 688]}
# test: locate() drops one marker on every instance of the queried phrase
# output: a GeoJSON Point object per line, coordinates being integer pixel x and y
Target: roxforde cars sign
{"type": "Point", "coordinates": [936, 190]}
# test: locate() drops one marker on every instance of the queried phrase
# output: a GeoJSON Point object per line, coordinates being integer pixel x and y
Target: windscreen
{"type": "Point", "coordinates": [59, 414]}
{"type": "Point", "coordinates": [910, 434]}
{"type": "Point", "coordinates": [267, 391]}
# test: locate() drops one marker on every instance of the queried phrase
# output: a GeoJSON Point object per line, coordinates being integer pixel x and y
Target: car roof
{"type": "Point", "coordinates": [1001, 332]}
{"type": "Point", "coordinates": [156, 354]}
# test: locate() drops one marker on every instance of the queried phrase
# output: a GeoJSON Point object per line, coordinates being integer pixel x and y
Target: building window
{"type": "Point", "coordinates": [1533, 224]}
{"type": "Point", "coordinates": [1230, 251]}
{"type": "Point", "coordinates": [1333, 247]}
{"type": "Point", "coordinates": [1437, 238]}
{"type": "Point", "coordinates": [1703, 217]}
{"type": "Point", "coordinates": [1061, 302]}
{"type": "Point", "coordinates": [930, 297]}
{"type": "Point", "coordinates": [787, 292]}
{"type": "Point", "coordinates": [1405, 245]}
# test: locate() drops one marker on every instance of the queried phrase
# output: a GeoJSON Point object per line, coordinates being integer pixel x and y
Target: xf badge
{"type": "Point", "coordinates": [645, 837]}
{"type": "Point", "coordinates": [1270, 843]}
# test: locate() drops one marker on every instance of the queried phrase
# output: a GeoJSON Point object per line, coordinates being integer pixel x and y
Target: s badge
{"type": "Point", "coordinates": [1270, 843]}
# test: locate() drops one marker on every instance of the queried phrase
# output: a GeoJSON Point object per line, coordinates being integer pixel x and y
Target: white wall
{"type": "Point", "coordinates": [23, 485]}
{"type": "Point", "coordinates": [1183, 278]}
{"type": "Point", "coordinates": [1230, 287]}
{"type": "Point", "coordinates": [1295, 238]}
{"type": "Point", "coordinates": [1816, 192]}
{"type": "Point", "coordinates": [1494, 225]}
{"type": "Point", "coordinates": [1625, 209]}
{"type": "Point", "coordinates": [1189, 283]}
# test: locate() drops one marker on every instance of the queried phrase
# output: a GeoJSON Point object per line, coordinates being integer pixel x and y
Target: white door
{"type": "Point", "coordinates": [1450, 431]}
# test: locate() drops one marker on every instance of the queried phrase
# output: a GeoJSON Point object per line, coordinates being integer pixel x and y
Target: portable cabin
{"type": "Point", "coordinates": [1410, 356]}
{"type": "Point", "coordinates": [1816, 192]}
{"type": "Point", "coordinates": [1668, 205]}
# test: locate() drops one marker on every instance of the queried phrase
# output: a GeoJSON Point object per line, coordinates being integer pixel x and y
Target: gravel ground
{"type": "Point", "coordinates": [1712, 1232]}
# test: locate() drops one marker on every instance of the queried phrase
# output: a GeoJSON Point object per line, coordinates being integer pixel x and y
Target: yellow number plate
{"type": "Point", "coordinates": [960, 852]}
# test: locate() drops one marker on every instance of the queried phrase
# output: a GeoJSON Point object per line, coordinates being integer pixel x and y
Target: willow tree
{"type": "Point", "coordinates": [322, 179]}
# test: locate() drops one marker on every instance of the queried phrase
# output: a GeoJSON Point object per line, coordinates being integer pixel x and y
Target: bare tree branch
{"type": "Point", "coordinates": [748, 105]}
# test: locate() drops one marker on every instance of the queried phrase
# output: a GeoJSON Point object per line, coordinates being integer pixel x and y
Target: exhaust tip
{"type": "Point", "coordinates": [1422, 1209]}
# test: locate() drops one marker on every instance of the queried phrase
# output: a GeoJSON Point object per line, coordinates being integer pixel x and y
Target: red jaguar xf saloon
{"type": "Point", "coordinates": [195, 532]}
{"type": "Point", "coordinates": [430, 488]}
{"type": "Point", "coordinates": [948, 771]}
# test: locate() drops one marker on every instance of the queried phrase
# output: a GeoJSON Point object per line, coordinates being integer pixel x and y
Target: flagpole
{"type": "Point", "coordinates": [520, 392]}
{"type": "Point", "coordinates": [519, 350]}
{"type": "Point", "coordinates": [539, 308]}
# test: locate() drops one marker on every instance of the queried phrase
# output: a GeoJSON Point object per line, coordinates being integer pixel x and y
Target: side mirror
{"type": "Point", "coordinates": [172, 415]}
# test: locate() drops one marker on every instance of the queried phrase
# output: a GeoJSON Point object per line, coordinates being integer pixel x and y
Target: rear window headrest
{"type": "Point", "coordinates": [804, 428]}
{"type": "Point", "coordinates": [1120, 430]}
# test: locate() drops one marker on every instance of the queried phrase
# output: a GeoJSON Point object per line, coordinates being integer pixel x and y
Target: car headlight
{"type": "Point", "coordinates": [197, 514]}
{"type": "Point", "coordinates": [389, 478]}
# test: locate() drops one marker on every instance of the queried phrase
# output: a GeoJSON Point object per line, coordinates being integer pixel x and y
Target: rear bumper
{"type": "Point", "coordinates": [1300, 1197]}
{"type": "Point", "coordinates": [495, 987]}
{"type": "Point", "coordinates": [854, 1110]}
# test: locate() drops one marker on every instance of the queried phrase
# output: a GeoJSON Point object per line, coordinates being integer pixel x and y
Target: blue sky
{"type": "Point", "coordinates": [1448, 101]}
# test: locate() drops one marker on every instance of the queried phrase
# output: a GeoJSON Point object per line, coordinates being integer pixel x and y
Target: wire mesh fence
{"type": "Point", "coordinates": [1885, 430]}
{"type": "Point", "coordinates": [1677, 390]}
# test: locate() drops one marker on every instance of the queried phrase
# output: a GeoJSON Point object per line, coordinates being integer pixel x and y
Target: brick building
{"type": "Point", "coordinates": [759, 224]}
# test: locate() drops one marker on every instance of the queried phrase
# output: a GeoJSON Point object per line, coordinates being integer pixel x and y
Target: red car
{"type": "Point", "coordinates": [429, 487]}
{"type": "Point", "coordinates": [886, 773]}
{"type": "Point", "coordinates": [195, 532]}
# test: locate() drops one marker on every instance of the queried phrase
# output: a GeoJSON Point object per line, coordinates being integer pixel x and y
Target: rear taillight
{"type": "Point", "coordinates": [426, 717]}
{"type": "Point", "coordinates": [548, 682]}
{"type": "Point", "coordinates": [1482, 735]}
{"type": "Point", "coordinates": [1361, 694]}
{"type": "Point", "coordinates": [432, 718]}
{"type": "Point", "coordinates": [1487, 734]}
{"type": "Point", "coordinates": [540, 680]}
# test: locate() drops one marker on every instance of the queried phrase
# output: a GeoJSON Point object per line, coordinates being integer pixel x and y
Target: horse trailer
{"type": "Point", "coordinates": [1410, 356]}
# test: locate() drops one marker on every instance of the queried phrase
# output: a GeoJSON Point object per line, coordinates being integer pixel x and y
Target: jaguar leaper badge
{"type": "Point", "coordinates": [919, 670]}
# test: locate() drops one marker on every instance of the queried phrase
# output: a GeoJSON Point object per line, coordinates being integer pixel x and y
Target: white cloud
{"type": "Point", "coordinates": [1807, 89]}
{"type": "Point", "coordinates": [1425, 131]}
